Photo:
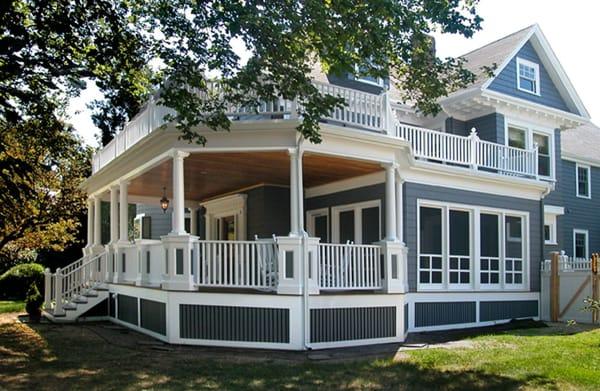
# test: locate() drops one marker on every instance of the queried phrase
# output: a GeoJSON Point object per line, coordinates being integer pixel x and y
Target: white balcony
{"type": "Point", "coordinates": [363, 111]}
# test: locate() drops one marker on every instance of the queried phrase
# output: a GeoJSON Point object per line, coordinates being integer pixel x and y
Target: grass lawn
{"type": "Point", "coordinates": [7, 306]}
{"type": "Point", "coordinates": [89, 357]}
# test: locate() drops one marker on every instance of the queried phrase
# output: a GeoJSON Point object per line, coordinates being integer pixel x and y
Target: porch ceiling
{"type": "Point", "coordinates": [209, 174]}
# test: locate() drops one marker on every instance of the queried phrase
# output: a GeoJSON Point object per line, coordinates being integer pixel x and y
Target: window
{"type": "Point", "coordinates": [317, 224]}
{"type": "Point", "coordinates": [528, 76]}
{"type": "Point", "coordinates": [583, 181]}
{"type": "Point", "coordinates": [551, 214]}
{"type": "Point", "coordinates": [489, 250]}
{"type": "Point", "coordinates": [513, 260]}
{"type": "Point", "coordinates": [357, 223]}
{"type": "Point", "coordinates": [543, 143]}
{"type": "Point", "coordinates": [364, 77]}
{"type": "Point", "coordinates": [525, 136]}
{"type": "Point", "coordinates": [430, 246]}
{"type": "Point", "coordinates": [447, 244]}
{"type": "Point", "coordinates": [580, 243]}
{"type": "Point", "coordinates": [142, 227]}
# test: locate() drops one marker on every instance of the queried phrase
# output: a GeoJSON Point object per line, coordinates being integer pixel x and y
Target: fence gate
{"type": "Point", "coordinates": [566, 283]}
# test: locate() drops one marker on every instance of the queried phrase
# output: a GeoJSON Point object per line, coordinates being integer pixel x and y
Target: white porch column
{"type": "Point", "coordinates": [90, 222]}
{"type": "Point", "coordinates": [390, 202]}
{"type": "Point", "coordinates": [97, 221]}
{"type": "Point", "coordinates": [300, 186]}
{"type": "Point", "coordinates": [399, 209]}
{"type": "Point", "coordinates": [294, 194]}
{"type": "Point", "coordinates": [123, 212]}
{"type": "Point", "coordinates": [178, 194]}
{"type": "Point", "coordinates": [114, 214]}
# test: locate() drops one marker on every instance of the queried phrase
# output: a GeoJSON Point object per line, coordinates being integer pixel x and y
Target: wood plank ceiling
{"type": "Point", "coordinates": [208, 175]}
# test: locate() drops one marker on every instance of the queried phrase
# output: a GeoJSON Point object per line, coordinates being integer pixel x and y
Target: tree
{"type": "Point", "coordinates": [42, 201]}
{"type": "Point", "coordinates": [286, 38]}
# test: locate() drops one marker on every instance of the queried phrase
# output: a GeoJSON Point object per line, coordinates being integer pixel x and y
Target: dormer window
{"type": "Point", "coordinates": [528, 79]}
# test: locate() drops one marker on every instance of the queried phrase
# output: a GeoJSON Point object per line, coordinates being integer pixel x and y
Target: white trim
{"type": "Point", "coordinates": [346, 184]}
{"type": "Point", "coordinates": [555, 210]}
{"type": "Point", "coordinates": [475, 283]}
{"type": "Point", "coordinates": [587, 241]}
{"type": "Point", "coordinates": [536, 67]}
{"type": "Point", "coordinates": [578, 159]}
{"type": "Point", "coordinates": [589, 179]}
{"type": "Point", "coordinates": [357, 208]}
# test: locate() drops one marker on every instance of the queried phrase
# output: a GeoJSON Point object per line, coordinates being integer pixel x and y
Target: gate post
{"type": "Point", "coordinates": [554, 287]}
{"type": "Point", "coordinates": [594, 270]}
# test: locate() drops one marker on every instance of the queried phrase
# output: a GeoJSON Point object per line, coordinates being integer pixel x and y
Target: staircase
{"type": "Point", "coordinates": [70, 292]}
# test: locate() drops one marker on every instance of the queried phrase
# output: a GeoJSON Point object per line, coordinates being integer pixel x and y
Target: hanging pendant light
{"type": "Point", "coordinates": [164, 201]}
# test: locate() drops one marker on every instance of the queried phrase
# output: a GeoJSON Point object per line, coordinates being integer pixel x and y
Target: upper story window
{"type": "Point", "coordinates": [525, 137]}
{"type": "Point", "coordinates": [583, 181]}
{"type": "Point", "coordinates": [528, 76]}
{"type": "Point", "coordinates": [364, 77]}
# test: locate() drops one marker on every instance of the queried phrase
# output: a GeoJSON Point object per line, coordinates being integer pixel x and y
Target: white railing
{"type": "Point", "coordinates": [236, 264]}
{"type": "Point", "coordinates": [362, 109]}
{"type": "Point", "coordinates": [468, 151]}
{"type": "Point", "coordinates": [567, 263]}
{"type": "Point", "coordinates": [349, 266]}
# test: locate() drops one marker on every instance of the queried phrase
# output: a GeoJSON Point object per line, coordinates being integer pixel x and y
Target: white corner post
{"type": "Point", "coordinates": [474, 139]}
{"type": "Point", "coordinates": [179, 245]}
{"type": "Point", "coordinates": [58, 304]}
{"type": "Point", "coordinates": [90, 226]}
{"type": "Point", "coordinates": [111, 248]}
{"type": "Point", "coordinates": [393, 250]}
{"type": "Point", "coordinates": [124, 256]}
{"type": "Point", "coordinates": [399, 208]}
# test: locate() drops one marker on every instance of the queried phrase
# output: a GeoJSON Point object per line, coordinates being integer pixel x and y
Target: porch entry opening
{"type": "Point", "coordinates": [226, 229]}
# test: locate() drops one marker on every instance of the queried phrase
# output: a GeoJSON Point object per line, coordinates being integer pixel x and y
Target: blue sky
{"type": "Point", "coordinates": [571, 28]}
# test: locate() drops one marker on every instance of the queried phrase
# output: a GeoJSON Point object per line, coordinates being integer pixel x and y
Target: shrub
{"type": "Point", "coordinates": [33, 303]}
{"type": "Point", "coordinates": [15, 282]}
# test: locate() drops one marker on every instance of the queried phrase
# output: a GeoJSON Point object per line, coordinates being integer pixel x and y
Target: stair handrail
{"type": "Point", "coordinates": [74, 264]}
{"type": "Point", "coordinates": [80, 277]}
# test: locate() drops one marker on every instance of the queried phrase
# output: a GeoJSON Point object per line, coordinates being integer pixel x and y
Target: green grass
{"type": "Point", "coordinates": [7, 306]}
{"type": "Point", "coordinates": [86, 357]}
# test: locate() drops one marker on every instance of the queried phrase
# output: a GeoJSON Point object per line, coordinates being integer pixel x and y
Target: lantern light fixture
{"type": "Point", "coordinates": [164, 201]}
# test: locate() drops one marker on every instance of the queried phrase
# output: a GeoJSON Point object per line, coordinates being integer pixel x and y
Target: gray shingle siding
{"type": "Point", "coordinates": [489, 127]}
{"type": "Point", "coordinates": [456, 126]}
{"type": "Point", "coordinates": [160, 222]}
{"type": "Point", "coordinates": [414, 191]}
{"type": "Point", "coordinates": [348, 81]}
{"type": "Point", "coordinates": [506, 82]}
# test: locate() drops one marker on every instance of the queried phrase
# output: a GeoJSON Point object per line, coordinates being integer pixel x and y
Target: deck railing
{"type": "Point", "coordinates": [349, 266]}
{"type": "Point", "coordinates": [362, 110]}
{"type": "Point", "coordinates": [236, 264]}
{"type": "Point", "coordinates": [567, 263]}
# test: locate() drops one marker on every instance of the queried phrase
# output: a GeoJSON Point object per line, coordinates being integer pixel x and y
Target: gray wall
{"type": "Point", "coordinates": [348, 81]}
{"type": "Point", "coordinates": [160, 222]}
{"type": "Point", "coordinates": [489, 127]}
{"type": "Point", "coordinates": [414, 191]}
{"type": "Point", "coordinates": [268, 211]}
{"type": "Point", "coordinates": [506, 82]}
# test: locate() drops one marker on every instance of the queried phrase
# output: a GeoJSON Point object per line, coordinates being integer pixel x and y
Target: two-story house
{"type": "Point", "coordinates": [396, 222]}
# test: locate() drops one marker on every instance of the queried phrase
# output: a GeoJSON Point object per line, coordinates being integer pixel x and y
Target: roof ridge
{"type": "Point", "coordinates": [498, 40]}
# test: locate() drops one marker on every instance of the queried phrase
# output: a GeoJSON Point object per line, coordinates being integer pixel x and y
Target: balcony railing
{"type": "Point", "coordinates": [364, 111]}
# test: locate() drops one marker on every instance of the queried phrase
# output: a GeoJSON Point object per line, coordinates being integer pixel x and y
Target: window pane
{"type": "Point", "coordinates": [527, 84]}
{"type": "Point", "coordinates": [459, 233]}
{"type": "Point", "coordinates": [514, 237]}
{"type": "Point", "coordinates": [516, 137]}
{"type": "Point", "coordinates": [370, 225]}
{"type": "Point", "coordinates": [582, 181]}
{"type": "Point", "coordinates": [347, 226]}
{"type": "Point", "coordinates": [430, 230]}
{"type": "Point", "coordinates": [321, 228]}
{"type": "Point", "coordinates": [543, 143]}
{"type": "Point", "coordinates": [489, 235]}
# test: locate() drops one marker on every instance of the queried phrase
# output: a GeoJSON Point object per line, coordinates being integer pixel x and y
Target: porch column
{"type": "Point", "coordinates": [399, 209]}
{"type": "Point", "coordinates": [300, 186]}
{"type": "Point", "coordinates": [97, 221]}
{"type": "Point", "coordinates": [390, 202]}
{"type": "Point", "coordinates": [294, 194]}
{"type": "Point", "coordinates": [123, 212]}
{"type": "Point", "coordinates": [90, 222]}
{"type": "Point", "coordinates": [178, 194]}
{"type": "Point", "coordinates": [114, 214]}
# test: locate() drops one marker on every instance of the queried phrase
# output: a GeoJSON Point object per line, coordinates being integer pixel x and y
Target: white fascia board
{"type": "Point", "coordinates": [554, 210]}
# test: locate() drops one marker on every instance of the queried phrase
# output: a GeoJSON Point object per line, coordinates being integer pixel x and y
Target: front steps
{"type": "Point", "coordinates": [79, 305]}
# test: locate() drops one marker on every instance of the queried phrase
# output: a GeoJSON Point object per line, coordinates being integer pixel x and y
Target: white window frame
{"type": "Point", "coordinates": [475, 283]}
{"type": "Point", "coordinates": [444, 255]}
{"type": "Point", "coordinates": [233, 205]}
{"type": "Point", "coordinates": [524, 258]}
{"type": "Point", "coordinates": [357, 208]}
{"type": "Point", "coordinates": [587, 241]}
{"type": "Point", "coordinates": [139, 220]}
{"type": "Point", "coordinates": [310, 221]}
{"type": "Point", "coordinates": [530, 129]}
{"type": "Point", "coordinates": [536, 68]}
{"type": "Point", "coordinates": [589, 178]}
{"type": "Point", "coordinates": [550, 218]}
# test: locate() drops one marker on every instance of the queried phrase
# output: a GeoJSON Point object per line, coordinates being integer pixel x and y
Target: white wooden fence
{"type": "Point", "coordinates": [349, 266]}
{"type": "Point", "coordinates": [236, 264]}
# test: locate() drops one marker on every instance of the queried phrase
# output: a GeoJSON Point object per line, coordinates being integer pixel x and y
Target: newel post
{"type": "Point", "coordinates": [474, 141]}
{"type": "Point", "coordinates": [58, 307]}
{"type": "Point", "coordinates": [47, 289]}
{"type": "Point", "coordinates": [554, 286]}
{"type": "Point", "coordinates": [535, 160]}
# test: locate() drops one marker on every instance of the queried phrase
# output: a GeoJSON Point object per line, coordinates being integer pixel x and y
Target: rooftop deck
{"type": "Point", "coordinates": [363, 111]}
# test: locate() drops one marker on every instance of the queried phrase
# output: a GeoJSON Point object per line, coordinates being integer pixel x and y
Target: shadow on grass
{"type": "Point", "coordinates": [54, 357]}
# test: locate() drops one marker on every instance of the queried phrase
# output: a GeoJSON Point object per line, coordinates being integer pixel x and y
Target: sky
{"type": "Point", "coordinates": [571, 27]}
